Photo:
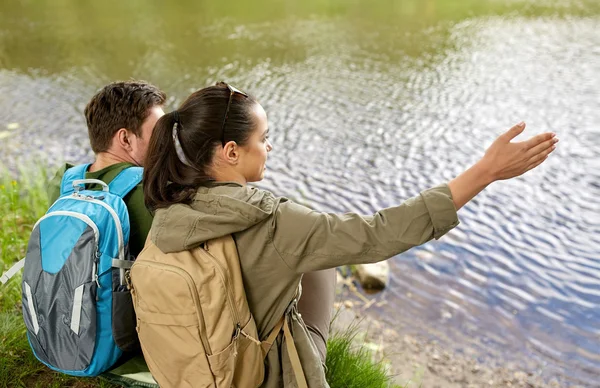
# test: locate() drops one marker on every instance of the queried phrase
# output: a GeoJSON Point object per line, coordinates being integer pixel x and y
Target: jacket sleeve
{"type": "Point", "coordinates": [308, 240]}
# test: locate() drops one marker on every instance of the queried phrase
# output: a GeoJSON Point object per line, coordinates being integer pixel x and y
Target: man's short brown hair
{"type": "Point", "coordinates": [120, 105]}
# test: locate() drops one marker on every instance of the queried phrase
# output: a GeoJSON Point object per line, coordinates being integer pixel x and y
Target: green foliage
{"type": "Point", "coordinates": [16, 361]}
{"type": "Point", "coordinates": [22, 202]}
{"type": "Point", "coordinates": [351, 366]}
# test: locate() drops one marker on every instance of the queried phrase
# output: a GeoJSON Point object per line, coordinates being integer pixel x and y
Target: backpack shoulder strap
{"type": "Point", "coordinates": [284, 323]}
{"type": "Point", "coordinates": [72, 174]}
{"type": "Point", "coordinates": [293, 354]}
{"type": "Point", "coordinates": [126, 181]}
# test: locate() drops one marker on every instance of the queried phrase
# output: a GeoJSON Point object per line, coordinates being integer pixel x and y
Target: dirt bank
{"type": "Point", "coordinates": [417, 361]}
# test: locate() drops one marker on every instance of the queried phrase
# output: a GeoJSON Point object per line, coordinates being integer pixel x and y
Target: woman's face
{"type": "Point", "coordinates": [253, 158]}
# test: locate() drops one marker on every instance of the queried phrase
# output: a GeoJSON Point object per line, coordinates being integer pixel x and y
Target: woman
{"type": "Point", "coordinates": [202, 156]}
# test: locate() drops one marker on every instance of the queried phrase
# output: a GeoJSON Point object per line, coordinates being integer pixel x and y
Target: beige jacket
{"type": "Point", "coordinates": [279, 240]}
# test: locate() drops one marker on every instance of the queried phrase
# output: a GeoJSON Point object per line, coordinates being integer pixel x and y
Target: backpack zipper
{"type": "Point", "coordinates": [230, 299]}
{"type": "Point", "coordinates": [192, 285]}
{"type": "Point", "coordinates": [97, 256]}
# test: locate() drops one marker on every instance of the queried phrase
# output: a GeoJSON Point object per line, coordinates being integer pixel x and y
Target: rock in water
{"type": "Point", "coordinates": [374, 276]}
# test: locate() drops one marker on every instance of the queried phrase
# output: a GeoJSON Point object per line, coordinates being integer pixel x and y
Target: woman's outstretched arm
{"type": "Point", "coordinates": [308, 240]}
{"type": "Point", "coordinates": [503, 160]}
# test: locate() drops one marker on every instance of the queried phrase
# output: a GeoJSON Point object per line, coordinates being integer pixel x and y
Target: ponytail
{"type": "Point", "coordinates": [169, 176]}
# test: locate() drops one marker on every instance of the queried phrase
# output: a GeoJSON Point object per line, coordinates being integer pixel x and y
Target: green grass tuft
{"type": "Point", "coordinates": [352, 366]}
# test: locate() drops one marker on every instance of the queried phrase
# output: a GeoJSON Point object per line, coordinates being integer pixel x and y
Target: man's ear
{"type": "Point", "coordinates": [231, 152]}
{"type": "Point", "coordinates": [123, 139]}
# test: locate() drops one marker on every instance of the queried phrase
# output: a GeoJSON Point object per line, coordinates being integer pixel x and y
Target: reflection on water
{"type": "Point", "coordinates": [369, 102]}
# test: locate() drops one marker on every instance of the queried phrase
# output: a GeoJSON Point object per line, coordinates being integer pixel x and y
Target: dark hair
{"type": "Point", "coordinates": [167, 180]}
{"type": "Point", "coordinates": [120, 105]}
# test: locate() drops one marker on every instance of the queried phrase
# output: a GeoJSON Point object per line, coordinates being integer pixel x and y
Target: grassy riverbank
{"type": "Point", "coordinates": [22, 202]}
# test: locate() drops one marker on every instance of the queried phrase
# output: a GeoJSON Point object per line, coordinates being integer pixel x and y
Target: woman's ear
{"type": "Point", "coordinates": [231, 153]}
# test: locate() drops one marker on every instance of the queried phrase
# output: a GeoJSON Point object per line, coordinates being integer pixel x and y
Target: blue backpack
{"type": "Point", "coordinates": [76, 305]}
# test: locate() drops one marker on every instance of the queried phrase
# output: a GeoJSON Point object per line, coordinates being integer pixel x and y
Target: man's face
{"type": "Point", "coordinates": [139, 145]}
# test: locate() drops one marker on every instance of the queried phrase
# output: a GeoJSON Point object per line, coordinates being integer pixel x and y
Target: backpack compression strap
{"type": "Point", "coordinates": [12, 271]}
{"type": "Point", "coordinates": [72, 174]}
{"type": "Point", "coordinates": [126, 181]}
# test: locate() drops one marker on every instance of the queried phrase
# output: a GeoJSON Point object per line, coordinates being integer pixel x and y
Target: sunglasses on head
{"type": "Point", "coordinates": [232, 91]}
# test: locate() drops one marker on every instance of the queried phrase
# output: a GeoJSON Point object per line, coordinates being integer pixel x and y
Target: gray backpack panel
{"type": "Point", "coordinates": [68, 298]}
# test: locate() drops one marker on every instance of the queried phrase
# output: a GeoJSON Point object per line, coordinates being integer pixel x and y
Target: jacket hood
{"type": "Point", "coordinates": [215, 211]}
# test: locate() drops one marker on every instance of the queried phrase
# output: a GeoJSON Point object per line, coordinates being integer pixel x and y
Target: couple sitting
{"type": "Point", "coordinates": [197, 163]}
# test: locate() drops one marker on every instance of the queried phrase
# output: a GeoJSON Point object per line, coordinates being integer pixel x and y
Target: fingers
{"type": "Point", "coordinates": [513, 132]}
{"type": "Point", "coordinates": [537, 140]}
{"type": "Point", "coordinates": [540, 156]}
{"type": "Point", "coordinates": [541, 147]}
{"type": "Point", "coordinates": [534, 165]}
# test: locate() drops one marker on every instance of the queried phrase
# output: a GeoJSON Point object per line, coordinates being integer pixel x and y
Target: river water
{"type": "Point", "coordinates": [370, 102]}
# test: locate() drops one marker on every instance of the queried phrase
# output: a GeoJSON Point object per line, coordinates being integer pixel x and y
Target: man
{"type": "Point", "coordinates": [120, 119]}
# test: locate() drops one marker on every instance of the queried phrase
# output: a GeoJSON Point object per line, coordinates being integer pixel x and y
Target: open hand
{"type": "Point", "coordinates": [505, 160]}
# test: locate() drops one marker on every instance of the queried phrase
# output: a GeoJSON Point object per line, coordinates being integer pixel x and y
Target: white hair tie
{"type": "Point", "coordinates": [178, 149]}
